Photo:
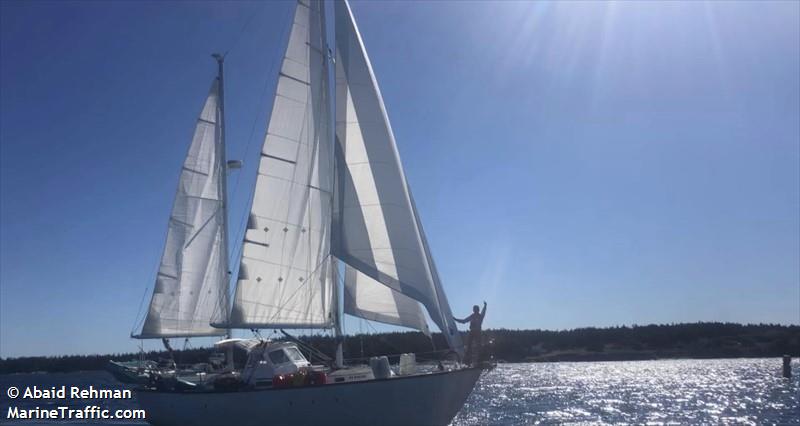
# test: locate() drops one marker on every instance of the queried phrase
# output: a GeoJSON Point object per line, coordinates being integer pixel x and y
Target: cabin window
{"type": "Point", "coordinates": [278, 357]}
{"type": "Point", "coordinates": [295, 355]}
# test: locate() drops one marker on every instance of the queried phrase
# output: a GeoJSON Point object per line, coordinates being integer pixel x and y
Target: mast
{"type": "Point", "coordinates": [338, 285]}
{"type": "Point", "coordinates": [224, 187]}
{"type": "Point", "coordinates": [337, 317]}
{"type": "Point", "coordinates": [223, 176]}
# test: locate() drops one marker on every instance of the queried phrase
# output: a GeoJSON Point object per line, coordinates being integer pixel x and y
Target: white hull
{"type": "Point", "coordinates": [429, 399]}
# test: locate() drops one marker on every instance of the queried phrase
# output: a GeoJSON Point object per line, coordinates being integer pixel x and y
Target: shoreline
{"type": "Point", "coordinates": [636, 343]}
{"type": "Point", "coordinates": [795, 358]}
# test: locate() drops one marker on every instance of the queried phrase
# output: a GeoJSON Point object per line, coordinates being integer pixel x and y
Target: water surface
{"type": "Point", "coordinates": [731, 391]}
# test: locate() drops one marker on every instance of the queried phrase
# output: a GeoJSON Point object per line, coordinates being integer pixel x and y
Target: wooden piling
{"type": "Point", "coordinates": [787, 366]}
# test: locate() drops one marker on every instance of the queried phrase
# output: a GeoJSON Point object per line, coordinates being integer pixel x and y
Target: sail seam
{"type": "Point", "coordinates": [286, 138]}
{"type": "Point", "coordinates": [280, 178]}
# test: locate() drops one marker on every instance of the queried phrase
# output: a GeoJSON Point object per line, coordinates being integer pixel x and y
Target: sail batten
{"type": "Point", "coordinates": [191, 283]}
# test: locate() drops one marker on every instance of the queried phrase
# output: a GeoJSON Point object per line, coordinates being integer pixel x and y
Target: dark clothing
{"type": "Point", "coordinates": [473, 341]}
{"type": "Point", "coordinates": [475, 321]}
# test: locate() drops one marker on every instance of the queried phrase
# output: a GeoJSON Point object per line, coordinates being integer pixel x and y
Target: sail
{"type": "Point", "coordinates": [285, 277]}
{"type": "Point", "coordinates": [191, 285]}
{"type": "Point", "coordinates": [376, 229]}
{"type": "Point", "coordinates": [369, 299]}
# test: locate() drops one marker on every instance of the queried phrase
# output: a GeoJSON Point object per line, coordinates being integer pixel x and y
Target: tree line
{"type": "Point", "coordinates": [696, 340]}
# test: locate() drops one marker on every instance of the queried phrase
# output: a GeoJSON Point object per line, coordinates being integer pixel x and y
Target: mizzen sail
{"type": "Point", "coordinates": [192, 285]}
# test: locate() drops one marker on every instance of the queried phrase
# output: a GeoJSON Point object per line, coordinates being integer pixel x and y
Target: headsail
{"type": "Point", "coordinates": [191, 288]}
{"type": "Point", "coordinates": [369, 299]}
{"type": "Point", "coordinates": [285, 277]}
{"type": "Point", "coordinates": [376, 229]}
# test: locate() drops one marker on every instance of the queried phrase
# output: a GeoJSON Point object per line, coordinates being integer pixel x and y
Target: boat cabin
{"type": "Point", "coordinates": [267, 360]}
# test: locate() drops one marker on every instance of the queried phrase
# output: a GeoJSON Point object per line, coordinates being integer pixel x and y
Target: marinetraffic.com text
{"type": "Point", "coordinates": [69, 411]}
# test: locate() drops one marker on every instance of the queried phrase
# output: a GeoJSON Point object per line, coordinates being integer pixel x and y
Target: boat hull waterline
{"type": "Point", "coordinates": [428, 399]}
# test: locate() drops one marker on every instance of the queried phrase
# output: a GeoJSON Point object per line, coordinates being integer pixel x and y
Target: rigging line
{"type": "Point", "coordinates": [301, 286]}
{"type": "Point", "coordinates": [139, 317]}
{"type": "Point", "coordinates": [267, 79]}
{"type": "Point", "coordinates": [241, 32]}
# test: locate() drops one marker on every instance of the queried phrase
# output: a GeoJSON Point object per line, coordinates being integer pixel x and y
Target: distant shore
{"type": "Point", "coordinates": [696, 340]}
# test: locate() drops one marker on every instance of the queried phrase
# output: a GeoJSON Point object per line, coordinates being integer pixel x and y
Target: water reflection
{"type": "Point", "coordinates": [740, 391]}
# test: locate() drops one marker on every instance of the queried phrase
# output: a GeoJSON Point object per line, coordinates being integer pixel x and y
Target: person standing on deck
{"type": "Point", "coordinates": [475, 321]}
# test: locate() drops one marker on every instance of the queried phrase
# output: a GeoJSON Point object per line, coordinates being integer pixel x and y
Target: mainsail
{"type": "Point", "coordinates": [285, 277]}
{"type": "Point", "coordinates": [191, 288]}
{"type": "Point", "coordinates": [376, 228]}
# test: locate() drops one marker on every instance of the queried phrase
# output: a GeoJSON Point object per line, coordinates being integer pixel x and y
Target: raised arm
{"type": "Point", "coordinates": [483, 311]}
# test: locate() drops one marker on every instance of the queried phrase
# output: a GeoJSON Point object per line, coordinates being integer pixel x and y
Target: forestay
{"type": "Point", "coordinates": [376, 229]}
{"type": "Point", "coordinates": [191, 285]}
{"type": "Point", "coordinates": [285, 277]}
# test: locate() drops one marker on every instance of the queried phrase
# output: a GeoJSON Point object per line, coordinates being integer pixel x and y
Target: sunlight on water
{"type": "Point", "coordinates": [735, 391]}
{"type": "Point", "coordinates": [738, 391]}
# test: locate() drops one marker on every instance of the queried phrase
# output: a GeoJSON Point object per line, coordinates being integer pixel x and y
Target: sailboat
{"type": "Point", "coordinates": [332, 230]}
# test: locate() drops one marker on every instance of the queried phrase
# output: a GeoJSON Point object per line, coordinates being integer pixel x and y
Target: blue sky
{"type": "Point", "coordinates": [575, 164]}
